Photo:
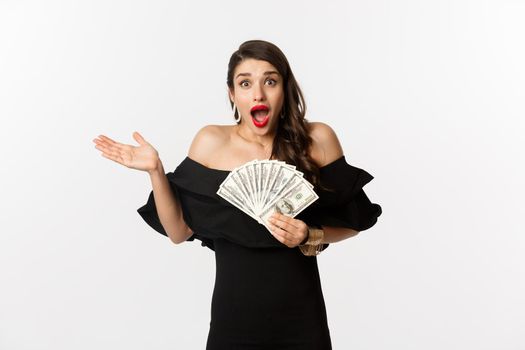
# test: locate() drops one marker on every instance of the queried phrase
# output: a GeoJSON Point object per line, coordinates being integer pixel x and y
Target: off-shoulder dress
{"type": "Point", "coordinates": [266, 295]}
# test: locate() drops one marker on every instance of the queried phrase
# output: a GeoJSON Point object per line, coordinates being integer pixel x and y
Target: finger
{"type": "Point", "coordinates": [138, 137]}
{"type": "Point", "coordinates": [285, 221]}
{"type": "Point", "coordinates": [108, 150]}
{"type": "Point", "coordinates": [286, 218]}
{"type": "Point", "coordinates": [103, 142]}
{"type": "Point", "coordinates": [112, 146]}
{"type": "Point", "coordinates": [110, 153]}
{"type": "Point", "coordinates": [109, 141]}
{"type": "Point", "coordinates": [113, 158]}
{"type": "Point", "coordinates": [100, 141]}
{"type": "Point", "coordinates": [281, 237]}
{"type": "Point", "coordinates": [284, 225]}
{"type": "Point", "coordinates": [277, 236]}
{"type": "Point", "coordinates": [279, 231]}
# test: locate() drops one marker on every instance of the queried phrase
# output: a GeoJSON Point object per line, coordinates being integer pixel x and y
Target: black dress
{"type": "Point", "coordinates": [266, 295]}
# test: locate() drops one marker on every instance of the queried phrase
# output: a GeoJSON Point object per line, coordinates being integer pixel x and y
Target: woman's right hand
{"type": "Point", "coordinates": [143, 157]}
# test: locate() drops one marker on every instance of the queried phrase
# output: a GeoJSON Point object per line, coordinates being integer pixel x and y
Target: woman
{"type": "Point", "coordinates": [267, 292]}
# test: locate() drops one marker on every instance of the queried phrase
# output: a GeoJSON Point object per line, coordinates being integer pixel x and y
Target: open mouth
{"type": "Point", "coordinates": [260, 116]}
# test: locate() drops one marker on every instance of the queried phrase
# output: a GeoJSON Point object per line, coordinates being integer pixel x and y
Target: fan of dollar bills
{"type": "Point", "coordinates": [261, 187]}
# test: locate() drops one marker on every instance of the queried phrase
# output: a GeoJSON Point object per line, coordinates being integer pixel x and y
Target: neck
{"type": "Point", "coordinates": [265, 141]}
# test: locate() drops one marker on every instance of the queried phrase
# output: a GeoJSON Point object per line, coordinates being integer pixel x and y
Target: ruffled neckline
{"type": "Point", "coordinates": [227, 172]}
{"type": "Point", "coordinates": [346, 179]}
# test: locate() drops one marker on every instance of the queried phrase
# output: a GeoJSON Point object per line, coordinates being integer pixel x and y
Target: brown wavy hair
{"type": "Point", "coordinates": [292, 141]}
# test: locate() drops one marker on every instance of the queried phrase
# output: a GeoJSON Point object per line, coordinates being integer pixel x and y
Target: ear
{"type": "Point", "coordinates": [231, 94]}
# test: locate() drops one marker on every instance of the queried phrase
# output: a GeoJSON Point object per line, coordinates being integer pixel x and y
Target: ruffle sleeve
{"type": "Point", "coordinates": [346, 204]}
{"type": "Point", "coordinates": [207, 214]}
{"type": "Point", "coordinates": [149, 213]}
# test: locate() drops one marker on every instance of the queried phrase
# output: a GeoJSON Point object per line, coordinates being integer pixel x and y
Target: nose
{"type": "Point", "coordinates": [258, 93]}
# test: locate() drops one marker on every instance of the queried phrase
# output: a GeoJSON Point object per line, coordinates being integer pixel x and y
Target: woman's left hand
{"type": "Point", "coordinates": [287, 230]}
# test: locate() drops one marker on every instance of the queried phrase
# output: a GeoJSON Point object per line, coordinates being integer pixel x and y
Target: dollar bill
{"type": "Point", "coordinates": [291, 203]}
{"type": "Point", "coordinates": [261, 187]}
{"type": "Point", "coordinates": [226, 193]}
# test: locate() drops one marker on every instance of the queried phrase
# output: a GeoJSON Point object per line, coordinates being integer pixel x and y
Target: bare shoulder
{"type": "Point", "coordinates": [208, 140]}
{"type": "Point", "coordinates": [326, 146]}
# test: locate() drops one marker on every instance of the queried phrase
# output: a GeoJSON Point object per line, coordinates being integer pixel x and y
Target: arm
{"type": "Point", "coordinates": [335, 234]}
{"type": "Point", "coordinates": [329, 149]}
{"type": "Point", "coordinates": [168, 206]}
{"type": "Point", "coordinates": [292, 232]}
{"type": "Point", "coordinates": [146, 158]}
{"type": "Point", "coordinates": [325, 149]}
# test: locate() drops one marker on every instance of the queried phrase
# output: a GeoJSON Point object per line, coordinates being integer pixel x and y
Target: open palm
{"type": "Point", "coordinates": [143, 157]}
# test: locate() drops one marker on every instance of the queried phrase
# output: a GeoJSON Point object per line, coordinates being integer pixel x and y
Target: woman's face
{"type": "Point", "coordinates": [258, 83]}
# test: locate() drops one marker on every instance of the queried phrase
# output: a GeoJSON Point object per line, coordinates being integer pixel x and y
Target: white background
{"type": "Point", "coordinates": [428, 96]}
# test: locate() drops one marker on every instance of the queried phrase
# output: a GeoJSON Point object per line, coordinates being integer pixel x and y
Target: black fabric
{"type": "Point", "coordinates": [266, 294]}
{"type": "Point", "coordinates": [266, 298]}
{"type": "Point", "coordinates": [210, 216]}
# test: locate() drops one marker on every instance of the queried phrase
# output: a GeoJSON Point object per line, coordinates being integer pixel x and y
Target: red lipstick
{"type": "Point", "coordinates": [260, 123]}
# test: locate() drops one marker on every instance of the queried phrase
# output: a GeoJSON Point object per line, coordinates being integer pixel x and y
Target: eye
{"type": "Point", "coordinates": [242, 83]}
{"type": "Point", "coordinates": [272, 80]}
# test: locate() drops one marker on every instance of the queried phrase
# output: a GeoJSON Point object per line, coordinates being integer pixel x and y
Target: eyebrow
{"type": "Point", "coordinates": [249, 74]}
